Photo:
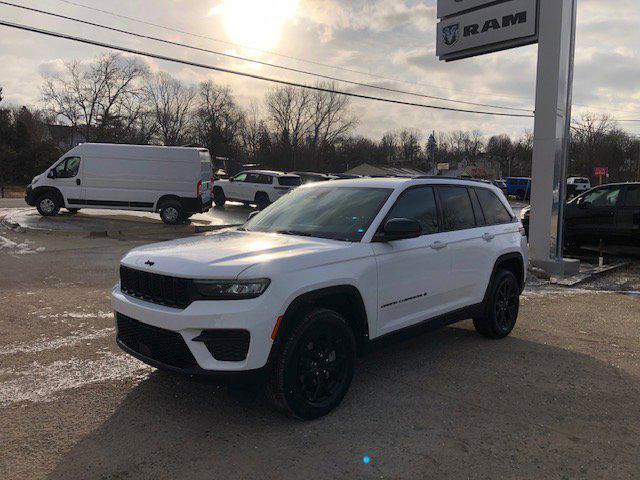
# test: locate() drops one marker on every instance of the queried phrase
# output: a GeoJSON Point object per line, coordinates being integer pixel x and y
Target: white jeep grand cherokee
{"type": "Point", "coordinates": [292, 296]}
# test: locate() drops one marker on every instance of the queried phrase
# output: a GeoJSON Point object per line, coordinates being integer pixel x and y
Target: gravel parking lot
{"type": "Point", "coordinates": [558, 399]}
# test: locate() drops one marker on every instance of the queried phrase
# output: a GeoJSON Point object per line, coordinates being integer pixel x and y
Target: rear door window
{"type": "Point", "coordinates": [633, 196]}
{"type": "Point", "coordinates": [495, 213]}
{"type": "Point", "coordinates": [290, 181]}
{"type": "Point", "coordinates": [418, 204]}
{"type": "Point", "coordinates": [457, 211]}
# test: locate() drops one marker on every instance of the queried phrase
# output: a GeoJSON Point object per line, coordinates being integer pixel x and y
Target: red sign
{"type": "Point", "coordinates": [601, 171]}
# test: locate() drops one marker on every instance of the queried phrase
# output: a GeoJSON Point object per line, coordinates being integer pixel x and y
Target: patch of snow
{"type": "Point", "coordinates": [39, 383]}
{"type": "Point", "coordinates": [17, 248]}
{"type": "Point", "coordinates": [52, 344]}
{"type": "Point", "coordinates": [99, 314]}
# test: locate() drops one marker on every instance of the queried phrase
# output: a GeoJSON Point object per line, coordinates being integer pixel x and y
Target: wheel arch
{"type": "Point", "coordinates": [513, 262]}
{"type": "Point", "coordinates": [344, 299]}
{"type": "Point", "coordinates": [38, 191]}
{"type": "Point", "coordinates": [168, 198]}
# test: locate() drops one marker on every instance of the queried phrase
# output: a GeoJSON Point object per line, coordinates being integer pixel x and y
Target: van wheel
{"type": "Point", "coordinates": [218, 197]}
{"type": "Point", "coordinates": [73, 211]}
{"type": "Point", "coordinates": [314, 367]}
{"type": "Point", "coordinates": [501, 310]}
{"type": "Point", "coordinates": [171, 213]}
{"type": "Point", "coordinates": [262, 200]}
{"type": "Point", "coordinates": [48, 205]}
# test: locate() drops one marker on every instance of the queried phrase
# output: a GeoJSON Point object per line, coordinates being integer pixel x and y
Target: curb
{"type": "Point", "coordinates": [188, 229]}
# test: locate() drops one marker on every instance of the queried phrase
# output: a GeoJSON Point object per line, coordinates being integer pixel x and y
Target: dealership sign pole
{"type": "Point", "coordinates": [474, 27]}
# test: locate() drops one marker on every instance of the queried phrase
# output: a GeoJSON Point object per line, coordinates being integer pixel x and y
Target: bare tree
{"type": "Point", "coordinates": [289, 112]}
{"type": "Point", "coordinates": [93, 98]}
{"type": "Point", "coordinates": [330, 119]}
{"type": "Point", "coordinates": [252, 131]}
{"type": "Point", "coordinates": [171, 104]}
{"type": "Point", "coordinates": [219, 120]}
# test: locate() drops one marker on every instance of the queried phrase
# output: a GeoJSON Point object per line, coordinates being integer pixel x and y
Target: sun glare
{"type": "Point", "coordinates": [256, 23]}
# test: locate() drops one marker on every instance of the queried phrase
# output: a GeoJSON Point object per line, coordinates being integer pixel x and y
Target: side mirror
{"type": "Point", "coordinates": [401, 229]}
{"type": "Point", "coordinates": [253, 214]}
{"type": "Point", "coordinates": [231, 179]}
{"type": "Point", "coordinates": [584, 204]}
{"type": "Point", "coordinates": [51, 174]}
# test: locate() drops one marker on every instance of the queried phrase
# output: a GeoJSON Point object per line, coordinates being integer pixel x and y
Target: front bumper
{"type": "Point", "coordinates": [255, 316]}
{"type": "Point", "coordinates": [29, 197]}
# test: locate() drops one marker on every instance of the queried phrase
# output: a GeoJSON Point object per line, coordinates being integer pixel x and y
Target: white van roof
{"type": "Point", "coordinates": [138, 151]}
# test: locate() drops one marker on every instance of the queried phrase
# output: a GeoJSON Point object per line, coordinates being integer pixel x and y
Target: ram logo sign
{"type": "Point", "coordinates": [500, 26]}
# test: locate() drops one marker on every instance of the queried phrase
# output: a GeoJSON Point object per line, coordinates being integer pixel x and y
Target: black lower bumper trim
{"type": "Point", "coordinates": [256, 376]}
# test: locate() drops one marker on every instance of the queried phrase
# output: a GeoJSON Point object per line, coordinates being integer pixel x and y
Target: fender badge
{"type": "Point", "coordinates": [150, 263]}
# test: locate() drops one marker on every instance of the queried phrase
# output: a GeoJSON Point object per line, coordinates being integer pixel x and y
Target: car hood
{"type": "Point", "coordinates": [226, 254]}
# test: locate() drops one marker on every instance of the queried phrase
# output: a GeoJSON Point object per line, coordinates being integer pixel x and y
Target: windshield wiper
{"type": "Point", "coordinates": [295, 232]}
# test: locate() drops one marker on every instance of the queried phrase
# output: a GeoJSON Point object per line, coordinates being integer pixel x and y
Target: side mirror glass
{"type": "Point", "coordinates": [231, 179]}
{"type": "Point", "coordinates": [401, 229]}
{"type": "Point", "coordinates": [253, 214]}
{"type": "Point", "coordinates": [52, 174]}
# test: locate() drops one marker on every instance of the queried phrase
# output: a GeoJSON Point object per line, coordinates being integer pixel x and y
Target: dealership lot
{"type": "Point", "coordinates": [559, 398]}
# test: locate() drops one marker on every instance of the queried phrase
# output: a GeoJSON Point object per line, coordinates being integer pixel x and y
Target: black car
{"type": "Point", "coordinates": [608, 212]}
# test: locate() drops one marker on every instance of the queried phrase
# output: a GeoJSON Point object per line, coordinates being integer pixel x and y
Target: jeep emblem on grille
{"type": "Point", "coordinates": [150, 263]}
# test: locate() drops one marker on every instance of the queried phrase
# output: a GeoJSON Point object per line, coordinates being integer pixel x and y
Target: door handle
{"type": "Point", "coordinates": [77, 181]}
{"type": "Point", "coordinates": [438, 245]}
{"type": "Point", "coordinates": [488, 237]}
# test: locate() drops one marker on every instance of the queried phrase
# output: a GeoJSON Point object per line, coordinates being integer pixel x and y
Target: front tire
{"type": "Point", "coordinates": [48, 205]}
{"type": "Point", "coordinates": [219, 197]}
{"type": "Point", "coordinates": [262, 200]}
{"type": "Point", "coordinates": [502, 307]}
{"type": "Point", "coordinates": [172, 213]}
{"type": "Point", "coordinates": [314, 367]}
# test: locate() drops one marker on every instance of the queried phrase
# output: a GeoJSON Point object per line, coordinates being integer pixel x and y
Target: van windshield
{"type": "Point", "coordinates": [338, 213]}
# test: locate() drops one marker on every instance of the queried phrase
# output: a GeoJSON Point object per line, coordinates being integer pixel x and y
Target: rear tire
{"type": "Point", "coordinates": [172, 213]}
{"type": "Point", "coordinates": [218, 197]}
{"type": "Point", "coordinates": [262, 200]}
{"type": "Point", "coordinates": [314, 367]}
{"type": "Point", "coordinates": [502, 307]}
{"type": "Point", "coordinates": [48, 204]}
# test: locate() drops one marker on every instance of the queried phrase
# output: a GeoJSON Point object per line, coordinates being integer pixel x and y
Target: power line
{"type": "Point", "coordinates": [237, 57]}
{"type": "Point", "coordinates": [312, 62]}
{"type": "Point", "coordinates": [245, 74]}
{"type": "Point", "coordinates": [289, 57]}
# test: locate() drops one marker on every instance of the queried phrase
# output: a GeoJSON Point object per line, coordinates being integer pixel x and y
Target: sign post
{"type": "Point", "coordinates": [601, 172]}
{"type": "Point", "coordinates": [474, 27]}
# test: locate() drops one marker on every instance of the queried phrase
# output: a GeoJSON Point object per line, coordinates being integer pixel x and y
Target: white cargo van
{"type": "Point", "coordinates": [174, 181]}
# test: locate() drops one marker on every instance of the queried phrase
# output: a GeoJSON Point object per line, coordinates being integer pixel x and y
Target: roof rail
{"type": "Point", "coordinates": [442, 177]}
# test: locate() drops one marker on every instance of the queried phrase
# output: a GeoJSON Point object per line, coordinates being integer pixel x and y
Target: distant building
{"type": "Point", "coordinates": [383, 171]}
{"type": "Point", "coordinates": [481, 168]}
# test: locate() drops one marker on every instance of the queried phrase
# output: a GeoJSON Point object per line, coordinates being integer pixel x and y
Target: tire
{"type": "Point", "coordinates": [520, 195]}
{"type": "Point", "coordinates": [48, 204]}
{"type": "Point", "coordinates": [172, 213]}
{"type": "Point", "coordinates": [262, 200]}
{"type": "Point", "coordinates": [321, 349]}
{"type": "Point", "coordinates": [218, 197]}
{"type": "Point", "coordinates": [73, 211]}
{"type": "Point", "coordinates": [502, 306]}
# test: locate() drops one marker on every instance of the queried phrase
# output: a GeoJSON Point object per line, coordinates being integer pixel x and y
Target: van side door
{"type": "Point", "coordinates": [66, 176]}
{"type": "Point", "coordinates": [413, 274]}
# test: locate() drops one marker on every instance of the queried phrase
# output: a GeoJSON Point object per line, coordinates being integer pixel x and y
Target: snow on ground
{"type": "Point", "coordinates": [13, 248]}
{"type": "Point", "coordinates": [43, 343]}
{"type": "Point", "coordinates": [39, 383]}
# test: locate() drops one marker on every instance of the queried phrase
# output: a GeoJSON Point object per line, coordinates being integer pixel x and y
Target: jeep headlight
{"type": "Point", "coordinates": [231, 289]}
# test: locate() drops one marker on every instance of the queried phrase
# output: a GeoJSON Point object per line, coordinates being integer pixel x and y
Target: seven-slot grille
{"type": "Point", "coordinates": [155, 288]}
{"type": "Point", "coordinates": [161, 345]}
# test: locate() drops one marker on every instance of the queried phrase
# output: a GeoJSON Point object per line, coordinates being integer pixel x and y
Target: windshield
{"type": "Point", "coordinates": [338, 213]}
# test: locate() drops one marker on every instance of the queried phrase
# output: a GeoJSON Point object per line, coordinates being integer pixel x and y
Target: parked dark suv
{"type": "Point", "coordinates": [608, 212]}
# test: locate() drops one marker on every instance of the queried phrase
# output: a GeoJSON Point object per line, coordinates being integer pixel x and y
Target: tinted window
{"type": "Point", "coordinates": [264, 179]}
{"type": "Point", "coordinates": [603, 197]}
{"type": "Point", "coordinates": [494, 210]}
{"type": "Point", "coordinates": [456, 208]}
{"type": "Point", "coordinates": [633, 196]}
{"type": "Point", "coordinates": [418, 204]}
{"type": "Point", "coordinates": [252, 178]}
{"type": "Point", "coordinates": [290, 181]}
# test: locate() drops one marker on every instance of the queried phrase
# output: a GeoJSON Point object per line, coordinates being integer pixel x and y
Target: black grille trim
{"type": "Point", "coordinates": [155, 288]}
{"type": "Point", "coordinates": [226, 345]}
{"type": "Point", "coordinates": [163, 346]}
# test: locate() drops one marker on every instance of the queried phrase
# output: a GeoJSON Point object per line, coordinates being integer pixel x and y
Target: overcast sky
{"type": "Point", "coordinates": [390, 38]}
